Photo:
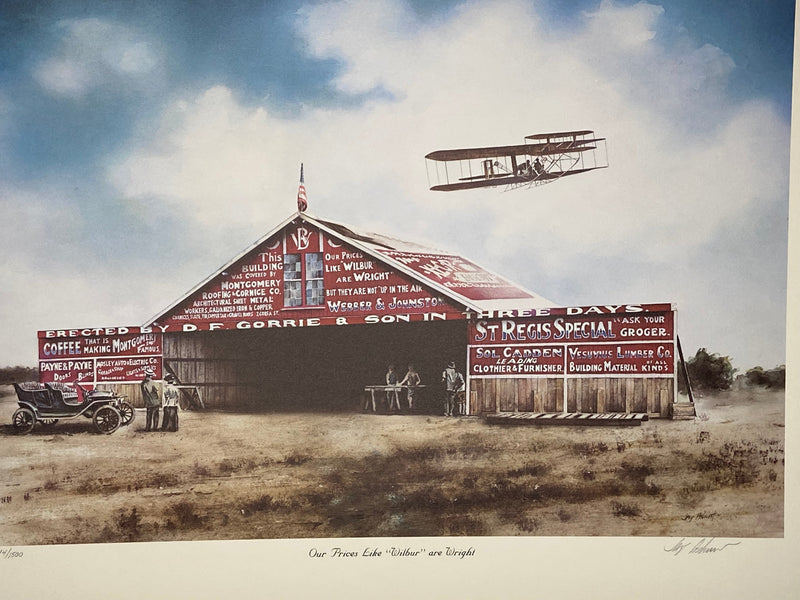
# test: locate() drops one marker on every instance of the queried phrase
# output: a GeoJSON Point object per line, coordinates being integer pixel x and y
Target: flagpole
{"type": "Point", "coordinates": [302, 200]}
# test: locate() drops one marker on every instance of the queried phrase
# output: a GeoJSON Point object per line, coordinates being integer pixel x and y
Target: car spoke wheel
{"type": "Point", "coordinates": [107, 419]}
{"type": "Point", "coordinates": [23, 420]}
{"type": "Point", "coordinates": [126, 412]}
{"type": "Point", "coordinates": [48, 422]}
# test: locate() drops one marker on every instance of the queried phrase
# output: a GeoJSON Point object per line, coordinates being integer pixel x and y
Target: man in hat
{"type": "Point", "coordinates": [152, 399]}
{"type": "Point", "coordinates": [453, 383]}
{"type": "Point", "coordinates": [170, 422]}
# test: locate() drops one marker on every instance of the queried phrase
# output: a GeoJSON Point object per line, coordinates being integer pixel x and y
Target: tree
{"type": "Point", "coordinates": [773, 378]}
{"type": "Point", "coordinates": [9, 375]}
{"type": "Point", "coordinates": [709, 371]}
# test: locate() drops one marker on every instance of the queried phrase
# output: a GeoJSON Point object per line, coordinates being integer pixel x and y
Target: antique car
{"type": "Point", "coordinates": [50, 402]}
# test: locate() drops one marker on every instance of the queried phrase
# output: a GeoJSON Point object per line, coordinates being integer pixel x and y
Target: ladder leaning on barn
{"type": "Point", "coordinates": [684, 410]}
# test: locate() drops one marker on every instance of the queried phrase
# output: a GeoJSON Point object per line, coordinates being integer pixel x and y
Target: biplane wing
{"type": "Point", "coordinates": [512, 180]}
{"type": "Point", "coordinates": [537, 149]}
{"type": "Point", "coordinates": [560, 134]}
{"type": "Point", "coordinates": [555, 155]}
{"type": "Point", "coordinates": [479, 153]}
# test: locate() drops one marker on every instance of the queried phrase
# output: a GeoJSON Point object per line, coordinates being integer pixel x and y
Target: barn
{"type": "Point", "coordinates": [312, 314]}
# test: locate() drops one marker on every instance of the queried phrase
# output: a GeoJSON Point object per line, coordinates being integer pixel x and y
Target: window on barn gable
{"type": "Point", "coordinates": [303, 283]}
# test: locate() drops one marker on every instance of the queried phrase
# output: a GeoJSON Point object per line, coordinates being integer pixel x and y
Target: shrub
{"type": "Point", "coordinates": [621, 509]}
{"type": "Point", "coordinates": [262, 504]}
{"type": "Point", "coordinates": [773, 378]}
{"type": "Point", "coordinates": [527, 524]}
{"type": "Point", "coordinates": [200, 470]}
{"type": "Point", "coordinates": [589, 448]}
{"type": "Point", "coordinates": [635, 471]}
{"type": "Point", "coordinates": [129, 524]}
{"type": "Point", "coordinates": [184, 511]}
{"type": "Point", "coordinates": [296, 459]}
{"type": "Point", "coordinates": [732, 465]}
{"type": "Point", "coordinates": [532, 469]}
{"type": "Point", "coordinates": [652, 489]}
{"type": "Point", "coordinates": [635, 474]}
{"type": "Point", "coordinates": [159, 480]}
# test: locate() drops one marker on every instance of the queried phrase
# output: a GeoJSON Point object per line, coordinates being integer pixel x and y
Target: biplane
{"type": "Point", "coordinates": [543, 158]}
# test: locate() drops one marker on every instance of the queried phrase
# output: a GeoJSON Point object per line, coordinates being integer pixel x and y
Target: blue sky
{"type": "Point", "coordinates": [144, 144]}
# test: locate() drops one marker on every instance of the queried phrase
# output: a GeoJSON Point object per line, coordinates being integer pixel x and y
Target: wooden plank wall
{"type": "Point", "coordinates": [131, 391]}
{"type": "Point", "coordinates": [516, 394]}
{"type": "Point", "coordinates": [620, 394]}
{"type": "Point", "coordinates": [592, 395]}
{"type": "Point", "coordinates": [202, 361]}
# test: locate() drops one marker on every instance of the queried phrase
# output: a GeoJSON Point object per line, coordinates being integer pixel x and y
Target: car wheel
{"type": "Point", "coordinates": [126, 412]}
{"type": "Point", "coordinates": [107, 419]}
{"type": "Point", "coordinates": [23, 420]}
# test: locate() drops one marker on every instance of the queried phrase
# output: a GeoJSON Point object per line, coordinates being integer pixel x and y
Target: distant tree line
{"type": "Point", "coordinates": [9, 375]}
{"type": "Point", "coordinates": [714, 372]}
{"type": "Point", "coordinates": [773, 378]}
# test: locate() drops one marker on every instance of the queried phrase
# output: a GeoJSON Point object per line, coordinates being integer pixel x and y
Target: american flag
{"type": "Point", "coordinates": [302, 201]}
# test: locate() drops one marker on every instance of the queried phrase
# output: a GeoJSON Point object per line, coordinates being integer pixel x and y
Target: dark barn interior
{"type": "Point", "coordinates": [322, 368]}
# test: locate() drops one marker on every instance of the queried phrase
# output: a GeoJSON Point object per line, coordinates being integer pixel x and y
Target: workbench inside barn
{"type": "Point", "coordinates": [377, 394]}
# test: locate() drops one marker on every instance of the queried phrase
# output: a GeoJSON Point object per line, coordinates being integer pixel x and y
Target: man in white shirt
{"type": "Point", "coordinates": [170, 422]}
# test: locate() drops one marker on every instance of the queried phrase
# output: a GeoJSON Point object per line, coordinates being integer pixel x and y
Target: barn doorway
{"type": "Point", "coordinates": [314, 368]}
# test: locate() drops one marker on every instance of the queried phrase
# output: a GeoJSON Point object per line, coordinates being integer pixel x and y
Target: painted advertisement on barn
{"type": "Point", "coordinates": [304, 277]}
{"type": "Point", "coordinates": [618, 340]}
{"type": "Point", "coordinates": [458, 275]}
{"type": "Point", "coordinates": [99, 355]}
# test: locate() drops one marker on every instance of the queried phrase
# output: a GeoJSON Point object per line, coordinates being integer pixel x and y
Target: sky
{"type": "Point", "coordinates": [144, 144]}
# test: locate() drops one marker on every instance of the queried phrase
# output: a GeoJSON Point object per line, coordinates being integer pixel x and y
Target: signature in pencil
{"type": "Point", "coordinates": [704, 546]}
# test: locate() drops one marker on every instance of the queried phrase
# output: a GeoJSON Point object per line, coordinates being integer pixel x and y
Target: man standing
{"type": "Point", "coordinates": [453, 383]}
{"type": "Point", "coordinates": [392, 395]}
{"type": "Point", "coordinates": [412, 380]}
{"type": "Point", "coordinates": [152, 399]}
{"type": "Point", "coordinates": [170, 422]}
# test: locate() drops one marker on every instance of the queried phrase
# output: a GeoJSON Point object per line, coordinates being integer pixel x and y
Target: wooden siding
{"type": "Point", "coordinates": [491, 395]}
{"type": "Point", "coordinates": [131, 391]}
{"type": "Point", "coordinates": [584, 395]}
{"type": "Point", "coordinates": [213, 367]}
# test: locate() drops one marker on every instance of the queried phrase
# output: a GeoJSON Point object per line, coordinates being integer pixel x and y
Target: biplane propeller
{"type": "Point", "coordinates": [543, 158]}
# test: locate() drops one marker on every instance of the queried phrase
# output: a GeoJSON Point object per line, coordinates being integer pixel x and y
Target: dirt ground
{"type": "Point", "coordinates": [296, 475]}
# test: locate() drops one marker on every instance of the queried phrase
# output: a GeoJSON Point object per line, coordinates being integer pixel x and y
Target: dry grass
{"type": "Point", "coordinates": [226, 476]}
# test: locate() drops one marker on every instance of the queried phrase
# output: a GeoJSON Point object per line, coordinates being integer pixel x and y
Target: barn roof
{"type": "Point", "coordinates": [470, 285]}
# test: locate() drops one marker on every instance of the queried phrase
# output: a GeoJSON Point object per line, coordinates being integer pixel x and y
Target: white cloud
{"type": "Point", "coordinates": [40, 234]}
{"type": "Point", "coordinates": [60, 271]}
{"type": "Point", "coordinates": [216, 160]}
{"type": "Point", "coordinates": [687, 162]}
{"type": "Point", "coordinates": [135, 57]}
{"type": "Point", "coordinates": [630, 27]}
{"type": "Point", "coordinates": [64, 77]}
{"type": "Point", "coordinates": [96, 53]}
